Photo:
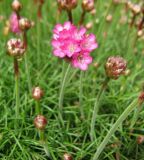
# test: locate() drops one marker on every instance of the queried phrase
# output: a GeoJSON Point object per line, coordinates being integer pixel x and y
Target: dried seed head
{"type": "Point", "coordinates": [67, 4]}
{"type": "Point", "coordinates": [40, 122]}
{"type": "Point", "coordinates": [67, 156]}
{"type": "Point", "coordinates": [15, 47]}
{"type": "Point", "coordinates": [88, 5]}
{"type": "Point", "coordinates": [140, 139]}
{"type": "Point", "coordinates": [115, 66]}
{"type": "Point", "coordinates": [37, 93]}
{"type": "Point", "coordinates": [24, 24]}
{"type": "Point", "coordinates": [16, 5]}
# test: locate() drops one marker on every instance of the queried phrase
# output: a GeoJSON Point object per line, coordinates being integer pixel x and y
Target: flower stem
{"type": "Point", "coordinates": [41, 135]}
{"type": "Point", "coordinates": [16, 73]}
{"type": "Point", "coordinates": [38, 110]}
{"type": "Point", "coordinates": [26, 62]}
{"type": "Point", "coordinates": [81, 95]}
{"type": "Point", "coordinates": [82, 18]}
{"type": "Point", "coordinates": [61, 95]}
{"type": "Point", "coordinates": [96, 108]}
{"type": "Point", "coordinates": [69, 12]}
{"type": "Point", "coordinates": [115, 126]}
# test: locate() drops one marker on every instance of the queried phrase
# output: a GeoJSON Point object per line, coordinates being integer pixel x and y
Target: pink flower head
{"type": "Point", "coordinates": [14, 23]}
{"type": "Point", "coordinates": [73, 43]}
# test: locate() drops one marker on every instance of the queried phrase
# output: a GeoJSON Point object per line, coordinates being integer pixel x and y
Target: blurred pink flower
{"type": "Point", "coordinates": [14, 23]}
{"type": "Point", "coordinates": [73, 43]}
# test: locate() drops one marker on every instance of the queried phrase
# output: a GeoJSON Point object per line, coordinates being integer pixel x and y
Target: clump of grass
{"type": "Point", "coordinates": [115, 37]}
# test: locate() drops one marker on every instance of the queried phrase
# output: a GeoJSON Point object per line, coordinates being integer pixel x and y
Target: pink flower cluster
{"type": "Point", "coordinates": [73, 43]}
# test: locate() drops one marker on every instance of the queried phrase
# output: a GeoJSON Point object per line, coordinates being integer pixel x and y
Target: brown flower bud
{"type": "Point", "coordinates": [67, 4]}
{"type": "Point", "coordinates": [88, 5]}
{"type": "Point", "coordinates": [16, 5]}
{"type": "Point", "coordinates": [37, 93]}
{"type": "Point", "coordinates": [40, 122]}
{"type": "Point", "coordinates": [15, 47]}
{"type": "Point", "coordinates": [140, 139]}
{"type": "Point", "coordinates": [115, 66]}
{"type": "Point", "coordinates": [67, 156]}
{"type": "Point", "coordinates": [24, 24]}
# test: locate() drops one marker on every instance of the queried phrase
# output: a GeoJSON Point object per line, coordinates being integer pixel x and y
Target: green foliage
{"type": "Point", "coordinates": [46, 71]}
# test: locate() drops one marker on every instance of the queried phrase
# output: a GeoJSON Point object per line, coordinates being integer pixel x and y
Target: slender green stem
{"type": "Point", "coordinates": [41, 135]}
{"type": "Point", "coordinates": [61, 95]}
{"type": "Point", "coordinates": [38, 110]}
{"type": "Point", "coordinates": [38, 43]}
{"type": "Point", "coordinates": [82, 18]}
{"type": "Point", "coordinates": [28, 73]}
{"type": "Point", "coordinates": [69, 12]}
{"type": "Point", "coordinates": [96, 108]}
{"type": "Point", "coordinates": [81, 95]}
{"type": "Point", "coordinates": [16, 73]}
{"type": "Point", "coordinates": [115, 126]}
{"type": "Point", "coordinates": [17, 96]}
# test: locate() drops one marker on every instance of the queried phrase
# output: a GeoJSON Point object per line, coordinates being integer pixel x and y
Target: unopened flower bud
{"type": "Point", "coordinates": [16, 5]}
{"type": "Point", "coordinates": [93, 11]}
{"type": "Point", "coordinates": [37, 93]}
{"type": "Point", "coordinates": [140, 139]}
{"type": "Point", "coordinates": [67, 4]}
{"type": "Point", "coordinates": [115, 66]}
{"type": "Point", "coordinates": [88, 5]}
{"type": "Point", "coordinates": [109, 18]}
{"type": "Point", "coordinates": [15, 47]}
{"type": "Point", "coordinates": [24, 24]}
{"type": "Point", "coordinates": [67, 156]}
{"type": "Point", "coordinates": [40, 122]}
{"type": "Point", "coordinates": [140, 33]}
{"type": "Point", "coordinates": [89, 25]}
